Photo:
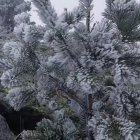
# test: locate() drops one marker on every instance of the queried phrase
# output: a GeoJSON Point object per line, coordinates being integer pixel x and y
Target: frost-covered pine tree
{"type": "Point", "coordinates": [20, 65]}
{"type": "Point", "coordinates": [95, 67]}
{"type": "Point", "coordinates": [60, 128]}
{"type": "Point", "coordinates": [8, 9]}
{"type": "Point", "coordinates": [20, 62]}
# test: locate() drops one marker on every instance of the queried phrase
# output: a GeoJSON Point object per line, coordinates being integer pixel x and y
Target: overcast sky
{"type": "Point", "coordinates": [59, 5]}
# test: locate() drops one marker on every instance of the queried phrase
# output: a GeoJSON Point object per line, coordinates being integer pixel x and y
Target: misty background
{"type": "Point", "coordinates": [59, 5]}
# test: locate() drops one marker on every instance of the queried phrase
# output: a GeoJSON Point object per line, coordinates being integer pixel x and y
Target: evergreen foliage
{"type": "Point", "coordinates": [95, 69]}
{"type": "Point", "coordinates": [8, 9]}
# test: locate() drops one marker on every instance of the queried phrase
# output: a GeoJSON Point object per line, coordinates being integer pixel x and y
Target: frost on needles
{"type": "Point", "coordinates": [74, 67]}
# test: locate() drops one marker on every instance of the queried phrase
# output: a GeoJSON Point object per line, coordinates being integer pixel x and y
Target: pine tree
{"type": "Point", "coordinates": [90, 65]}
{"type": "Point", "coordinates": [8, 9]}
{"type": "Point", "coordinates": [126, 15]}
{"type": "Point", "coordinates": [94, 67]}
{"type": "Point", "coordinates": [20, 61]}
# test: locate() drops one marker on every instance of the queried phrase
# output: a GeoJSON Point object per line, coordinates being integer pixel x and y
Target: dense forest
{"type": "Point", "coordinates": [71, 78]}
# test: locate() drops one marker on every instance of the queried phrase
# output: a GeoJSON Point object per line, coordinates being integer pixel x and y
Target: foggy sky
{"type": "Point", "coordinates": [59, 5]}
{"type": "Point", "coordinates": [99, 6]}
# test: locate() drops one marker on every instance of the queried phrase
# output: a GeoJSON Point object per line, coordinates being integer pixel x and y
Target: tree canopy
{"type": "Point", "coordinates": [85, 74]}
